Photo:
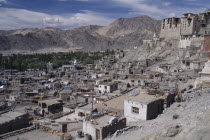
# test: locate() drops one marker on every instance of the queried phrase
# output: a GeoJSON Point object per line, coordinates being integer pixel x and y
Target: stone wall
{"type": "Point", "coordinates": [185, 42]}
{"type": "Point", "coordinates": [190, 40]}
{"type": "Point", "coordinates": [74, 126]}
{"type": "Point", "coordinates": [170, 28]}
{"type": "Point", "coordinates": [112, 128]}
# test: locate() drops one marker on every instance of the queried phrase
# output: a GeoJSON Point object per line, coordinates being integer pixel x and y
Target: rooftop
{"type": "Point", "coordinates": [51, 101]}
{"type": "Point", "coordinates": [108, 83]}
{"type": "Point", "coordinates": [35, 135]}
{"type": "Point", "coordinates": [67, 65]}
{"type": "Point", "coordinates": [117, 103]}
{"type": "Point", "coordinates": [87, 107]}
{"type": "Point", "coordinates": [188, 14]}
{"type": "Point", "coordinates": [104, 120]}
{"type": "Point", "coordinates": [6, 117]}
{"type": "Point", "coordinates": [143, 98]}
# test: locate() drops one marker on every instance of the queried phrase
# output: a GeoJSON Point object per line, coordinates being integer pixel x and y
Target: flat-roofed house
{"type": "Point", "coordinates": [64, 94]}
{"type": "Point", "coordinates": [108, 87]}
{"type": "Point", "coordinates": [114, 106]}
{"type": "Point", "coordinates": [142, 107]}
{"type": "Point", "coordinates": [99, 128]}
{"type": "Point", "coordinates": [12, 121]}
{"type": "Point", "coordinates": [51, 106]}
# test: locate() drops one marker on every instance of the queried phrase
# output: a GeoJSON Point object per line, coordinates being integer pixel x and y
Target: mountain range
{"type": "Point", "coordinates": [124, 33]}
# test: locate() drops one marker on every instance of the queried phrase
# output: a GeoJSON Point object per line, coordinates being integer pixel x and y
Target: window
{"type": "Point", "coordinates": [135, 110]}
{"type": "Point", "coordinates": [44, 105]}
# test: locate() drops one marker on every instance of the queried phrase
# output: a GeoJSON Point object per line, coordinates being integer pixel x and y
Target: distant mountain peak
{"type": "Point", "coordinates": [123, 33]}
{"type": "Point", "coordinates": [124, 26]}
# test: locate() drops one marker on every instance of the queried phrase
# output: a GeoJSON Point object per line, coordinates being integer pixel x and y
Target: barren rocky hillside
{"type": "Point", "coordinates": [123, 33]}
{"type": "Point", "coordinates": [164, 51]}
{"type": "Point", "coordinates": [191, 121]}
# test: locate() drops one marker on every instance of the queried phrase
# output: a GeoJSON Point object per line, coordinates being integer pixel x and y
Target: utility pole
{"type": "Point", "coordinates": [92, 106]}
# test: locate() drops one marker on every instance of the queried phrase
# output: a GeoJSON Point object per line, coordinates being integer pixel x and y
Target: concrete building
{"type": "Point", "coordinates": [163, 68]}
{"type": "Point", "coordinates": [103, 126]}
{"type": "Point", "coordinates": [84, 111]}
{"type": "Point", "coordinates": [64, 94]}
{"type": "Point", "coordinates": [68, 68]}
{"type": "Point", "coordinates": [101, 99]}
{"type": "Point", "coordinates": [155, 41]}
{"type": "Point", "coordinates": [12, 98]}
{"type": "Point", "coordinates": [142, 107]}
{"type": "Point", "coordinates": [32, 92]}
{"type": "Point", "coordinates": [114, 106]}
{"type": "Point", "coordinates": [3, 106]}
{"type": "Point", "coordinates": [16, 81]}
{"type": "Point", "coordinates": [50, 106]}
{"type": "Point", "coordinates": [49, 66]}
{"type": "Point", "coordinates": [197, 65]}
{"type": "Point", "coordinates": [107, 87]}
{"type": "Point", "coordinates": [12, 121]}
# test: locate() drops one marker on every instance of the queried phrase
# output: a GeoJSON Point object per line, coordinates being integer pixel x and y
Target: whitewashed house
{"type": "Point", "coordinates": [107, 87]}
{"type": "Point", "coordinates": [142, 107]}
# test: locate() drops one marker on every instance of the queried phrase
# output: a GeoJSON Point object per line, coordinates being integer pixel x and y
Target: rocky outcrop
{"type": "Point", "coordinates": [192, 123]}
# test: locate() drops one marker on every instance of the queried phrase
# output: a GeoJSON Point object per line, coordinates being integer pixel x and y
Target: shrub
{"type": "Point", "coordinates": [175, 116]}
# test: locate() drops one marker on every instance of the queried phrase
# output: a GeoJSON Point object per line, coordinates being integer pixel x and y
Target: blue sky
{"type": "Point", "coordinates": [67, 14]}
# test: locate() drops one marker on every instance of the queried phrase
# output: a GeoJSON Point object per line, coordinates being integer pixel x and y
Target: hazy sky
{"type": "Point", "coordinates": [73, 13]}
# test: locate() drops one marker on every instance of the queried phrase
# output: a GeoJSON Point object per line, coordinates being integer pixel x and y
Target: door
{"type": "Point", "coordinates": [97, 134]}
{"type": "Point", "coordinates": [64, 128]}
